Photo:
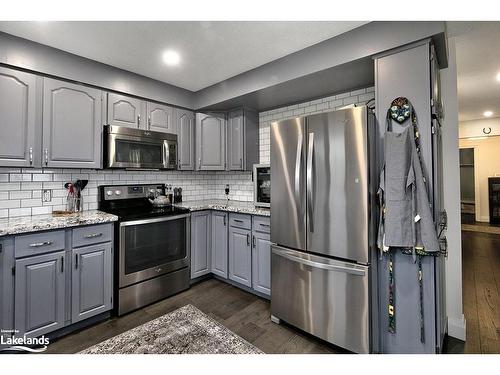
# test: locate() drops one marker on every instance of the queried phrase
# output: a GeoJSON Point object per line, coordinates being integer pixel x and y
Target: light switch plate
{"type": "Point", "coordinates": [46, 195]}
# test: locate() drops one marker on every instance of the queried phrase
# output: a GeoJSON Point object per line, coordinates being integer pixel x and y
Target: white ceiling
{"type": "Point", "coordinates": [210, 51]}
{"type": "Point", "coordinates": [478, 63]}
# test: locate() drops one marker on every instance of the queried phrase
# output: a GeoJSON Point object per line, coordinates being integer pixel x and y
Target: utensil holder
{"type": "Point", "coordinates": [74, 204]}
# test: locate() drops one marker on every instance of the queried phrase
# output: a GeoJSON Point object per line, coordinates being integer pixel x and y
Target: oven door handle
{"type": "Point", "coordinates": [153, 220]}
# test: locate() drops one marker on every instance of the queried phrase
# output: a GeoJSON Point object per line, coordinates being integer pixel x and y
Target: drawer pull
{"type": "Point", "coordinates": [40, 244]}
{"type": "Point", "coordinates": [94, 235]}
{"type": "Point", "coordinates": [264, 225]}
{"type": "Point", "coordinates": [238, 221]}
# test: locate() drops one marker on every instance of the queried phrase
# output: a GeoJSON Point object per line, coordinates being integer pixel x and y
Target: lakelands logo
{"type": "Point", "coordinates": [9, 342]}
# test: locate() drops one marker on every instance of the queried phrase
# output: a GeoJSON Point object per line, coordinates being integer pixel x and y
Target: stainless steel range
{"type": "Point", "coordinates": [153, 256]}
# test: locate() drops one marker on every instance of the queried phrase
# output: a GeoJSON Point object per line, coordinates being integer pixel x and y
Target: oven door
{"type": "Point", "coordinates": [126, 151]}
{"type": "Point", "coordinates": [152, 247]}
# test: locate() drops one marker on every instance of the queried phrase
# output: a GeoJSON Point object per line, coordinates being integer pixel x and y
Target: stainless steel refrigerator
{"type": "Point", "coordinates": [322, 225]}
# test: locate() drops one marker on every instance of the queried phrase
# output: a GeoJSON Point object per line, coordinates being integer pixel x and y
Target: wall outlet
{"type": "Point", "coordinates": [46, 195]}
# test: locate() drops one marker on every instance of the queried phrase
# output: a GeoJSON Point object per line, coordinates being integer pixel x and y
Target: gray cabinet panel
{"type": "Point", "coordinates": [200, 243]}
{"type": "Point", "coordinates": [219, 243]}
{"type": "Point", "coordinates": [39, 243]}
{"type": "Point", "coordinates": [160, 118]}
{"type": "Point", "coordinates": [92, 234]}
{"type": "Point", "coordinates": [40, 293]}
{"type": "Point", "coordinates": [240, 256]}
{"type": "Point", "coordinates": [7, 262]}
{"type": "Point", "coordinates": [261, 262]}
{"type": "Point", "coordinates": [185, 123]}
{"type": "Point", "coordinates": [72, 125]}
{"type": "Point", "coordinates": [235, 141]}
{"type": "Point", "coordinates": [126, 111]}
{"type": "Point", "coordinates": [91, 281]}
{"type": "Point", "coordinates": [210, 141]}
{"type": "Point", "coordinates": [17, 120]}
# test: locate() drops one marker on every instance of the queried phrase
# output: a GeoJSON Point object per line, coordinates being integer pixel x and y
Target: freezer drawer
{"type": "Point", "coordinates": [325, 297]}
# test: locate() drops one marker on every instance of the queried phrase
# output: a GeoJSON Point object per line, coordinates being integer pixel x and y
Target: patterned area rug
{"type": "Point", "coordinates": [186, 330]}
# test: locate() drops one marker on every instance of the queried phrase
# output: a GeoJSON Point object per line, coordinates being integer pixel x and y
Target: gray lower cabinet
{"type": "Point", "coordinates": [91, 281]}
{"type": "Point", "coordinates": [200, 243]}
{"type": "Point", "coordinates": [240, 256]}
{"type": "Point", "coordinates": [126, 111]}
{"type": "Point", "coordinates": [219, 243]}
{"type": "Point", "coordinates": [185, 125]}
{"type": "Point", "coordinates": [40, 293]}
{"type": "Point", "coordinates": [160, 118]}
{"type": "Point", "coordinates": [261, 262]}
{"type": "Point", "coordinates": [210, 141]}
{"type": "Point", "coordinates": [72, 125]}
{"type": "Point", "coordinates": [18, 120]}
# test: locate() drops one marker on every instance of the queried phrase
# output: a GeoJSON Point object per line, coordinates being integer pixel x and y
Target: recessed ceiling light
{"type": "Point", "coordinates": [171, 57]}
{"type": "Point", "coordinates": [498, 77]}
{"type": "Point", "coordinates": [487, 114]}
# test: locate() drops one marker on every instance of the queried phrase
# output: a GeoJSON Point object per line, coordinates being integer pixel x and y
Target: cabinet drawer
{"type": "Point", "coordinates": [240, 221]}
{"type": "Point", "coordinates": [92, 234]}
{"type": "Point", "coordinates": [262, 224]}
{"type": "Point", "coordinates": [39, 243]}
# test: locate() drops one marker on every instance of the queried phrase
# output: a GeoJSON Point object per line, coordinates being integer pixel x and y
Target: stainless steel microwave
{"type": "Point", "coordinates": [262, 185]}
{"type": "Point", "coordinates": [139, 149]}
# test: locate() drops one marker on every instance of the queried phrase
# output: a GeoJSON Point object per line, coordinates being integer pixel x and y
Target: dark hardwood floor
{"type": "Point", "coordinates": [248, 315]}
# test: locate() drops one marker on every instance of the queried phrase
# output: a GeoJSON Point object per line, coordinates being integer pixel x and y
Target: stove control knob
{"type": "Point", "coordinates": [118, 192]}
{"type": "Point", "coordinates": [109, 193]}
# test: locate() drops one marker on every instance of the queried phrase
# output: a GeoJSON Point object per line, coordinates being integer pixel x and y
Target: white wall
{"type": "Point", "coordinates": [454, 310]}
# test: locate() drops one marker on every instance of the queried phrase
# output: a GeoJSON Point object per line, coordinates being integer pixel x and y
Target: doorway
{"type": "Point", "coordinates": [467, 186]}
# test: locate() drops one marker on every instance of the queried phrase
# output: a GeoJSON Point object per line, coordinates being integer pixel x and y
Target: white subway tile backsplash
{"type": "Point", "coordinates": [42, 177]}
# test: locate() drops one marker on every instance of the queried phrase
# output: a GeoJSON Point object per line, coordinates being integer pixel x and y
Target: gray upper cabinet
{"type": "Point", "coordinates": [219, 243]}
{"type": "Point", "coordinates": [72, 126]}
{"type": "Point", "coordinates": [160, 118]}
{"type": "Point", "coordinates": [210, 141]}
{"type": "Point", "coordinates": [261, 262]}
{"type": "Point", "coordinates": [40, 293]}
{"type": "Point", "coordinates": [91, 281]}
{"type": "Point", "coordinates": [240, 256]}
{"type": "Point", "coordinates": [126, 111]}
{"type": "Point", "coordinates": [242, 140]}
{"type": "Point", "coordinates": [18, 119]}
{"type": "Point", "coordinates": [200, 243]}
{"type": "Point", "coordinates": [185, 123]}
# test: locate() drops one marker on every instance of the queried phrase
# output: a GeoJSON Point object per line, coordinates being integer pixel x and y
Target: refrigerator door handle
{"type": "Point", "coordinates": [298, 158]}
{"type": "Point", "coordinates": [341, 267]}
{"type": "Point", "coordinates": [310, 186]}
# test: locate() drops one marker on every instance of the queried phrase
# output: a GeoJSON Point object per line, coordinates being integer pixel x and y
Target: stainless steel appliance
{"type": "Point", "coordinates": [321, 225]}
{"type": "Point", "coordinates": [139, 149]}
{"type": "Point", "coordinates": [262, 185]}
{"type": "Point", "coordinates": [152, 260]}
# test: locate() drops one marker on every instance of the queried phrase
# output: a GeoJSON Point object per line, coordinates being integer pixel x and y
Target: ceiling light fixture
{"type": "Point", "coordinates": [498, 77]}
{"type": "Point", "coordinates": [487, 114]}
{"type": "Point", "coordinates": [171, 58]}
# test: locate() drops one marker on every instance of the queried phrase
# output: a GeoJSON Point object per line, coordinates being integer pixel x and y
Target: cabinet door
{"type": "Point", "coordinates": [72, 128]}
{"type": "Point", "coordinates": [40, 293]}
{"type": "Point", "coordinates": [200, 243]}
{"type": "Point", "coordinates": [261, 262]}
{"type": "Point", "coordinates": [219, 243]}
{"type": "Point", "coordinates": [91, 281]}
{"type": "Point", "coordinates": [185, 139]}
{"type": "Point", "coordinates": [126, 111]}
{"type": "Point", "coordinates": [160, 118]}
{"type": "Point", "coordinates": [235, 141]}
{"type": "Point", "coordinates": [210, 141]}
{"type": "Point", "coordinates": [240, 256]}
{"type": "Point", "coordinates": [17, 120]}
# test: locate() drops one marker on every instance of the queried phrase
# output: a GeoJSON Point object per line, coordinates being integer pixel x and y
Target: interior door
{"type": "Point", "coordinates": [337, 184]}
{"type": "Point", "coordinates": [288, 163]}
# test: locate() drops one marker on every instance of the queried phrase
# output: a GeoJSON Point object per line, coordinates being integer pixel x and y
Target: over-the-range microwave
{"type": "Point", "coordinates": [139, 149]}
{"type": "Point", "coordinates": [262, 185]}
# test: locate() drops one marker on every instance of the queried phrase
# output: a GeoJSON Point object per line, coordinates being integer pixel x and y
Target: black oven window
{"type": "Point", "coordinates": [264, 185]}
{"type": "Point", "coordinates": [136, 152]}
{"type": "Point", "coordinates": [154, 244]}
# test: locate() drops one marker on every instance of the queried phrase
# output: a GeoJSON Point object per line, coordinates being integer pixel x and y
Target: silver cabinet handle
{"type": "Point", "coordinates": [199, 163]}
{"type": "Point", "coordinates": [298, 158]}
{"type": "Point", "coordinates": [248, 239]}
{"type": "Point", "coordinates": [93, 235]}
{"type": "Point", "coordinates": [40, 244]}
{"type": "Point", "coordinates": [46, 152]}
{"type": "Point", "coordinates": [62, 264]}
{"type": "Point", "coordinates": [310, 186]}
{"type": "Point", "coordinates": [76, 261]}
{"type": "Point", "coordinates": [138, 120]}
{"type": "Point", "coordinates": [264, 225]}
{"type": "Point", "coordinates": [224, 220]}
{"type": "Point", "coordinates": [241, 163]}
{"type": "Point", "coordinates": [149, 121]}
{"type": "Point", "coordinates": [253, 241]}
{"type": "Point", "coordinates": [31, 155]}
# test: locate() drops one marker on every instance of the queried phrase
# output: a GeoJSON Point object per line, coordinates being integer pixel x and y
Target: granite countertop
{"type": "Point", "coordinates": [224, 205]}
{"type": "Point", "coordinates": [26, 224]}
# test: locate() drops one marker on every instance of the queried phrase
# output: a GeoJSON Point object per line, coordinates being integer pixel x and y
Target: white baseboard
{"type": "Point", "coordinates": [457, 327]}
